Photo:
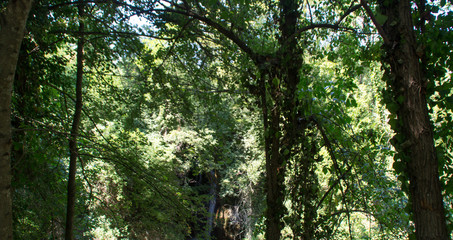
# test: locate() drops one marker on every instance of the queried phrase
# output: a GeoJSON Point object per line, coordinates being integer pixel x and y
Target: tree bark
{"type": "Point", "coordinates": [274, 169]}
{"type": "Point", "coordinates": [415, 143]}
{"type": "Point", "coordinates": [73, 149]}
{"type": "Point", "coordinates": [12, 26]}
{"type": "Point", "coordinates": [280, 125]}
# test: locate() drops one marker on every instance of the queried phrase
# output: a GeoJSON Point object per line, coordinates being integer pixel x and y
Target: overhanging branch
{"type": "Point", "coordinates": [113, 33]}
{"type": "Point", "coordinates": [375, 22]}
{"type": "Point", "coordinates": [226, 32]}
{"type": "Point", "coordinates": [335, 26]}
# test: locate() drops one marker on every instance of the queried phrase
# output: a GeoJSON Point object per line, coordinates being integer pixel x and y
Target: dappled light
{"type": "Point", "coordinates": [226, 120]}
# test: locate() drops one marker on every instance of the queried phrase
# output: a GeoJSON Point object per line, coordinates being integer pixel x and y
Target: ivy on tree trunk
{"type": "Point", "coordinates": [417, 159]}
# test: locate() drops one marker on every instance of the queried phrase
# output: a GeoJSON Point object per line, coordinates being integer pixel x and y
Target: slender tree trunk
{"type": "Point", "coordinates": [75, 131]}
{"type": "Point", "coordinates": [12, 26]}
{"type": "Point", "coordinates": [415, 135]}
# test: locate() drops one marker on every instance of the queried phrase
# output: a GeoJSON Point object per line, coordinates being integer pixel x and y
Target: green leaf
{"type": "Point", "coordinates": [398, 166]}
{"type": "Point", "coordinates": [381, 19]}
{"type": "Point", "coordinates": [286, 152]}
{"type": "Point", "coordinates": [17, 146]}
{"type": "Point", "coordinates": [392, 107]}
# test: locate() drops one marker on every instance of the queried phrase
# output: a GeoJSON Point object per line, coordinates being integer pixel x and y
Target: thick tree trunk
{"type": "Point", "coordinates": [274, 172]}
{"type": "Point", "coordinates": [279, 114]}
{"type": "Point", "coordinates": [12, 25]}
{"type": "Point", "coordinates": [73, 149]}
{"type": "Point", "coordinates": [415, 140]}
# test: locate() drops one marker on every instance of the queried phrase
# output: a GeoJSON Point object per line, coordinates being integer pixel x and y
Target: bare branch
{"type": "Point", "coordinates": [309, 10]}
{"type": "Point", "coordinates": [349, 11]}
{"type": "Point", "coordinates": [323, 25]}
{"type": "Point", "coordinates": [119, 3]}
{"type": "Point", "coordinates": [336, 26]}
{"type": "Point", "coordinates": [113, 33]}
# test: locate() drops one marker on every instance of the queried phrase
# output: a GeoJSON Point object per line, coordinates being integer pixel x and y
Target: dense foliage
{"type": "Point", "coordinates": [196, 113]}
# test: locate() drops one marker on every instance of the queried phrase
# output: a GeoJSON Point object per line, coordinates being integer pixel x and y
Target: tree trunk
{"type": "Point", "coordinates": [280, 115]}
{"type": "Point", "coordinates": [73, 150]}
{"type": "Point", "coordinates": [274, 169]}
{"type": "Point", "coordinates": [12, 26]}
{"type": "Point", "coordinates": [414, 141]}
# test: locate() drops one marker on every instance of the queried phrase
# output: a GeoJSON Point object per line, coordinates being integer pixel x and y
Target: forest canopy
{"type": "Point", "coordinates": [233, 119]}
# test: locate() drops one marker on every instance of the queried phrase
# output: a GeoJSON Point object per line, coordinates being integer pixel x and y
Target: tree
{"type": "Point", "coordinates": [406, 67]}
{"type": "Point", "coordinates": [12, 26]}
{"type": "Point", "coordinates": [278, 72]}
{"type": "Point", "coordinates": [239, 119]}
{"type": "Point", "coordinates": [49, 40]}
{"type": "Point", "coordinates": [73, 148]}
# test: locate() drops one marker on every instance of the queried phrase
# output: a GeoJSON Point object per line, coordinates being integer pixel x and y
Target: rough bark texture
{"type": "Point", "coordinates": [274, 169]}
{"type": "Point", "coordinates": [280, 125]}
{"type": "Point", "coordinates": [74, 132]}
{"type": "Point", "coordinates": [12, 25]}
{"type": "Point", "coordinates": [408, 85]}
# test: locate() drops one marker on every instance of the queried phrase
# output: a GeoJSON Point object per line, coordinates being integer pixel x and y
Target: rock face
{"type": "Point", "coordinates": [222, 220]}
{"type": "Point", "coordinates": [228, 223]}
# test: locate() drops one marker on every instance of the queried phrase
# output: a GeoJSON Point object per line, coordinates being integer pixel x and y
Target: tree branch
{"type": "Point", "coordinates": [226, 32]}
{"type": "Point", "coordinates": [351, 9]}
{"type": "Point", "coordinates": [375, 22]}
{"type": "Point", "coordinates": [332, 187]}
{"type": "Point", "coordinates": [309, 10]}
{"type": "Point", "coordinates": [119, 3]}
{"type": "Point", "coordinates": [335, 26]}
{"type": "Point", "coordinates": [322, 25]}
{"type": "Point", "coordinates": [113, 33]}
